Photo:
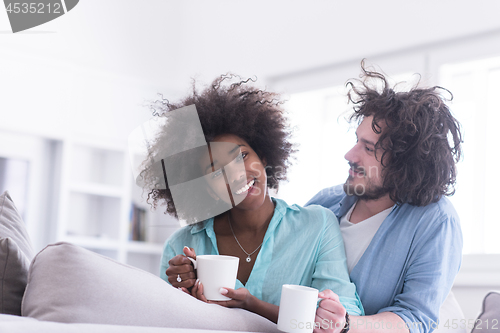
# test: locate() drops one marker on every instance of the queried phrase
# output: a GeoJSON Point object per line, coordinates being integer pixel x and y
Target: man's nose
{"type": "Point", "coordinates": [352, 155]}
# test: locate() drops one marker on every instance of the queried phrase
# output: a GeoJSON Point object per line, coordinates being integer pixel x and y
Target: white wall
{"type": "Point", "coordinates": [57, 99]}
{"type": "Point", "coordinates": [166, 42]}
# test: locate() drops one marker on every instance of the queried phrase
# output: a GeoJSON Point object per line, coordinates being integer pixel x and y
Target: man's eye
{"type": "Point", "coordinates": [369, 149]}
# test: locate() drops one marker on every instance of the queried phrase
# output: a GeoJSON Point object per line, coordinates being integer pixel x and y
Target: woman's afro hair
{"type": "Point", "coordinates": [231, 105]}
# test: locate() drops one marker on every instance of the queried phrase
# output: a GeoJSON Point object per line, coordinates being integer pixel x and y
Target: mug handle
{"type": "Point", "coordinates": [193, 261]}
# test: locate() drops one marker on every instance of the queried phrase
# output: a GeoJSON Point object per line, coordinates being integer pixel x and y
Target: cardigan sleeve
{"type": "Point", "coordinates": [429, 277]}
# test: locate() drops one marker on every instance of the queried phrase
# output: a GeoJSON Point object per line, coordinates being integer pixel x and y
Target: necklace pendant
{"type": "Point", "coordinates": [248, 259]}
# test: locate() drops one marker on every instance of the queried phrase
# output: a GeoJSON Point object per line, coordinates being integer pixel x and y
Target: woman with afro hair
{"type": "Point", "coordinates": [277, 243]}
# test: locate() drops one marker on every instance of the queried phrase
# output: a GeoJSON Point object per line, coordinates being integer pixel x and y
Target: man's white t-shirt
{"type": "Point", "coordinates": [357, 236]}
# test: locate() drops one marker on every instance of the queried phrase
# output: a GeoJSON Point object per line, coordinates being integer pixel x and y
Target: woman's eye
{"type": "Point", "coordinates": [369, 149]}
{"type": "Point", "coordinates": [217, 174]}
{"type": "Point", "coordinates": [241, 157]}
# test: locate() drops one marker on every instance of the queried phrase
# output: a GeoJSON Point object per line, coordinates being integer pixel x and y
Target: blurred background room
{"type": "Point", "coordinates": [73, 89]}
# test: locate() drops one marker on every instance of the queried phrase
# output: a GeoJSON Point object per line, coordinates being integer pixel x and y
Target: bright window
{"type": "Point", "coordinates": [322, 138]}
{"type": "Point", "coordinates": [475, 86]}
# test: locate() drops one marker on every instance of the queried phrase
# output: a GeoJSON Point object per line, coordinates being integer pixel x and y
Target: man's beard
{"type": "Point", "coordinates": [366, 191]}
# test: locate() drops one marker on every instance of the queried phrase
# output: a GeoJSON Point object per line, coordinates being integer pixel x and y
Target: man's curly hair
{"type": "Point", "coordinates": [420, 138]}
{"type": "Point", "coordinates": [236, 108]}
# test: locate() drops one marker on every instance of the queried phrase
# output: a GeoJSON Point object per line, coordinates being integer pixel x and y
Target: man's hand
{"type": "Point", "coordinates": [330, 314]}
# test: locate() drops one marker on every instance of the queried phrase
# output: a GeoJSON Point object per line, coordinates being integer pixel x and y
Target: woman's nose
{"type": "Point", "coordinates": [237, 174]}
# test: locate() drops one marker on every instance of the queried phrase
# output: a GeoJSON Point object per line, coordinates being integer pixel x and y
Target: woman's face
{"type": "Point", "coordinates": [237, 178]}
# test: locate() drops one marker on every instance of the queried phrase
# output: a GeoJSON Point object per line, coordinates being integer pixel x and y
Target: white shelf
{"type": "Point", "coordinates": [97, 192]}
{"type": "Point", "coordinates": [144, 247]}
{"type": "Point", "coordinates": [97, 189]}
{"type": "Point", "coordinates": [96, 164]}
{"type": "Point", "coordinates": [93, 242]}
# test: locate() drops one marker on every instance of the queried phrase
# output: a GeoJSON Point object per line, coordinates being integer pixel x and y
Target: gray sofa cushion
{"type": "Point", "coordinates": [69, 284]}
{"type": "Point", "coordinates": [15, 257]}
{"type": "Point", "coordinates": [489, 319]}
{"type": "Point", "coordinates": [15, 324]}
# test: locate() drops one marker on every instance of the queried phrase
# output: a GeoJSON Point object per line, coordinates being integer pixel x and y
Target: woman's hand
{"type": "Point", "coordinates": [240, 298]}
{"type": "Point", "coordinates": [181, 267]}
{"type": "Point", "coordinates": [330, 314]}
{"type": "Point", "coordinates": [197, 291]}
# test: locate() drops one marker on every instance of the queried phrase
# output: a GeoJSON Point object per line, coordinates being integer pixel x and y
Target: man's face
{"type": "Point", "coordinates": [365, 173]}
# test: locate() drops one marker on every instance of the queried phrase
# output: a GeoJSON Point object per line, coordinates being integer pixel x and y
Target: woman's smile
{"type": "Point", "coordinates": [248, 187]}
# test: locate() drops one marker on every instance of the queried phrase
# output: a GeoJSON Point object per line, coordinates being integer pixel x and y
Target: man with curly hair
{"type": "Point", "coordinates": [402, 235]}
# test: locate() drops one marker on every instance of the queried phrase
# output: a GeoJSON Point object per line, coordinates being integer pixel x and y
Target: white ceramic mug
{"type": "Point", "coordinates": [215, 272]}
{"type": "Point", "coordinates": [297, 309]}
